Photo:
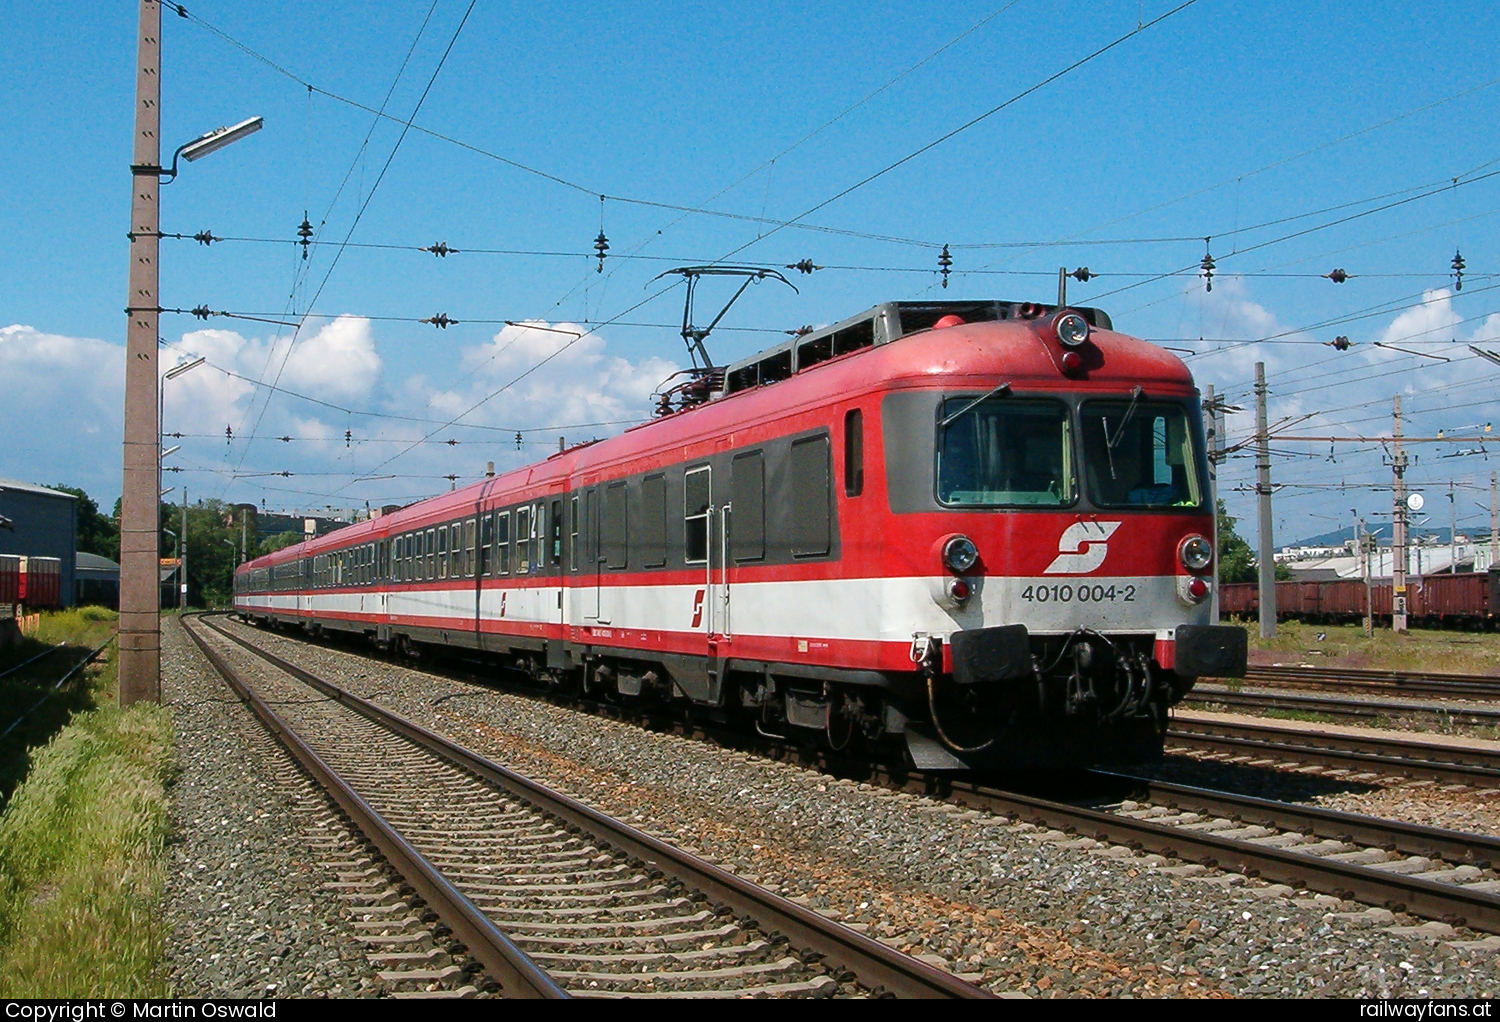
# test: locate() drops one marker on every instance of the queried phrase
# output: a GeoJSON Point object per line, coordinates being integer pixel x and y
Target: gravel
{"type": "Point", "coordinates": [1017, 909]}
{"type": "Point", "coordinates": [245, 902]}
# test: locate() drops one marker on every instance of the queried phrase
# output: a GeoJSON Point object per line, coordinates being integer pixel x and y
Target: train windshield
{"type": "Point", "coordinates": [1139, 453]}
{"type": "Point", "coordinates": [1005, 452]}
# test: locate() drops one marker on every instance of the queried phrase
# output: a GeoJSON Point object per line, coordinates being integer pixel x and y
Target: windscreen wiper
{"type": "Point", "coordinates": [981, 399]}
{"type": "Point", "coordinates": [1135, 397]}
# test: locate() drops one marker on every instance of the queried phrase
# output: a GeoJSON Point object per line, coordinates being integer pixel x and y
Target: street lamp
{"type": "Point", "coordinates": [140, 509]}
{"type": "Point", "coordinates": [233, 563]}
{"type": "Point", "coordinates": [177, 555]}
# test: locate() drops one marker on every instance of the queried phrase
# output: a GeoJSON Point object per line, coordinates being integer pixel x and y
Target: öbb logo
{"type": "Point", "coordinates": [697, 609]}
{"type": "Point", "coordinates": [1082, 548]}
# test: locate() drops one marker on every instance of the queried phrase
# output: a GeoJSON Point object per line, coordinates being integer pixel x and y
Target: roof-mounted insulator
{"type": "Point", "coordinates": [1337, 276]}
{"type": "Point", "coordinates": [1458, 270]}
{"type": "Point", "coordinates": [803, 266]}
{"type": "Point", "coordinates": [441, 321]}
{"type": "Point", "coordinates": [945, 264]}
{"type": "Point", "coordinates": [1339, 343]}
{"type": "Point", "coordinates": [205, 238]}
{"type": "Point", "coordinates": [1082, 275]}
{"type": "Point", "coordinates": [201, 311]}
{"type": "Point", "coordinates": [801, 331]}
{"type": "Point", "coordinates": [439, 249]}
{"type": "Point", "coordinates": [1206, 268]}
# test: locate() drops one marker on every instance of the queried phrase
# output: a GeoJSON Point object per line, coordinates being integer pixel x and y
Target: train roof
{"type": "Point", "coordinates": [877, 326]}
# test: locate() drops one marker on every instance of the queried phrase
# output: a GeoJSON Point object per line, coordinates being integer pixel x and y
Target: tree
{"type": "Point", "coordinates": [97, 534]}
{"type": "Point", "coordinates": [1237, 562]}
{"type": "Point", "coordinates": [213, 547]}
{"type": "Point", "coordinates": [277, 541]}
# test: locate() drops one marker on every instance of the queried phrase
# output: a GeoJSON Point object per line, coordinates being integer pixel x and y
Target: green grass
{"type": "Point", "coordinates": [1347, 646]}
{"type": "Point", "coordinates": [81, 837]}
{"type": "Point", "coordinates": [81, 863]}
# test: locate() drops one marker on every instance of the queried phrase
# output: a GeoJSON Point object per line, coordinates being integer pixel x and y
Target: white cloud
{"type": "Point", "coordinates": [62, 402]}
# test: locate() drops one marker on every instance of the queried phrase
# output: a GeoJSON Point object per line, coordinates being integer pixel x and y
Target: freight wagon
{"type": "Point", "coordinates": [1465, 600]}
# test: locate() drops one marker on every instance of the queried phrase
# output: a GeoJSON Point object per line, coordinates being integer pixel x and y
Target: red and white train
{"type": "Point", "coordinates": [979, 529]}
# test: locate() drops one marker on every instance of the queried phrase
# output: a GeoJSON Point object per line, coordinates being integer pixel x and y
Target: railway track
{"type": "Point", "coordinates": [552, 897]}
{"type": "Point", "coordinates": [1351, 709]}
{"type": "Point", "coordinates": [1435, 874]}
{"type": "Point", "coordinates": [1412, 683]}
{"type": "Point", "coordinates": [1266, 744]}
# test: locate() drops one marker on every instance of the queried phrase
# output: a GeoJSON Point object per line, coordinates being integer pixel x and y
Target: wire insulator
{"type": "Point", "coordinates": [305, 232]}
{"type": "Point", "coordinates": [1207, 266]}
{"type": "Point", "coordinates": [1339, 343]}
{"type": "Point", "coordinates": [945, 264]}
{"type": "Point", "coordinates": [1458, 270]}
{"type": "Point", "coordinates": [348, 438]}
{"type": "Point", "coordinates": [228, 435]}
{"type": "Point", "coordinates": [1082, 275]}
{"type": "Point", "coordinates": [205, 238]}
{"type": "Point", "coordinates": [441, 321]}
{"type": "Point", "coordinates": [451, 442]}
{"type": "Point", "coordinates": [601, 246]}
{"type": "Point", "coordinates": [285, 439]}
{"type": "Point", "coordinates": [439, 249]}
{"type": "Point", "coordinates": [1338, 276]}
{"type": "Point", "coordinates": [201, 311]}
{"type": "Point", "coordinates": [803, 266]}
{"type": "Point", "coordinates": [519, 440]}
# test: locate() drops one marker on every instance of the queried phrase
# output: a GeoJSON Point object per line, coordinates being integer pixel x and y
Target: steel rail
{"type": "Point", "coordinates": [21, 666]}
{"type": "Point", "coordinates": [1426, 898]}
{"type": "Point", "coordinates": [875, 964]}
{"type": "Point", "coordinates": [1477, 686]}
{"type": "Point", "coordinates": [72, 671]}
{"type": "Point", "coordinates": [1352, 828]}
{"type": "Point", "coordinates": [1360, 709]}
{"type": "Point", "coordinates": [506, 963]}
{"type": "Point", "coordinates": [1382, 755]}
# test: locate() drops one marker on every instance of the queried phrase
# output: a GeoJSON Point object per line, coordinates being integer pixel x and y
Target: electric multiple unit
{"type": "Point", "coordinates": [978, 531]}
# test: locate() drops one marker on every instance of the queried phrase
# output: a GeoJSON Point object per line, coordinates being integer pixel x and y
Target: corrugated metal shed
{"type": "Point", "coordinates": [42, 523]}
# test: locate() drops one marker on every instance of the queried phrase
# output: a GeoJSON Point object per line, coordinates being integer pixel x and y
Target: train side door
{"type": "Point", "coordinates": [553, 541]}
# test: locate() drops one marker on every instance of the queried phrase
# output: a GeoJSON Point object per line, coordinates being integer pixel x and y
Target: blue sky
{"type": "Point", "coordinates": [1179, 132]}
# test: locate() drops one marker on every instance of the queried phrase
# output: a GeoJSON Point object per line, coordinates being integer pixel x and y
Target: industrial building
{"type": "Point", "coordinates": [38, 522]}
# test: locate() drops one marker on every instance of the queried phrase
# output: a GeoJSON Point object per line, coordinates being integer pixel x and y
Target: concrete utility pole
{"type": "Point", "coordinates": [182, 583]}
{"type": "Point", "coordinates": [140, 502]}
{"type": "Point", "coordinates": [1267, 554]}
{"type": "Point", "coordinates": [1364, 560]}
{"type": "Point", "coordinates": [243, 512]}
{"type": "Point", "coordinates": [1211, 432]}
{"type": "Point", "coordinates": [1494, 525]}
{"type": "Point", "coordinates": [1398, 525]}
{"type": "Point", "coordinates": [1452, 532]}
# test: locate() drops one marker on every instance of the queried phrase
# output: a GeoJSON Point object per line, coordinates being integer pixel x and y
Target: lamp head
{"type": "Point", "coordinates": [219, 138]}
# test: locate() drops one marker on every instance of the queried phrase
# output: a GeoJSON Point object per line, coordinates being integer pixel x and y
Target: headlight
{"type": "Point", "coordinates": [1196, 553]}
{"type": "Point", "coordinates": [1071, 329]}
{"type": "Point", "coordinates": [960, 554]}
